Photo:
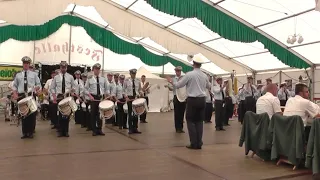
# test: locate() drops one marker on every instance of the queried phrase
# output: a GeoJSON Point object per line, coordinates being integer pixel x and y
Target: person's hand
{"type": "Point", "coordinates": [37, 88]}
{"type": "Point", "coordinates": [15, 96]}
{"type": "Point", "coordinates": [169, 79]}
{"type": "Point", "coordinates": [54, 100]}
{"type": "Point", "coordinates": [91, 97]}
{"type": "Point", "coordinates": [127, 99]}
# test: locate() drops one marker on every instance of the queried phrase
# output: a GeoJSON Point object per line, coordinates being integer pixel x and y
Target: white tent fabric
{"type": "Point", "coordinates": [276, 19]}
{"type": "Point", "coordinates": [158, 98]}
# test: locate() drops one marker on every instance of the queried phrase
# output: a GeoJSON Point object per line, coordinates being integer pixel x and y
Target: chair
{"type": "Point", "coordinates": [255, 135]}
{"type": "Point", "coordinates": [313, 148]}
{"type": "Point", "coordinates": [288, 139]}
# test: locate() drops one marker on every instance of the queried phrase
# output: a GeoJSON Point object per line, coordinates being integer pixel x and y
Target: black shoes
{"type": "Point", "coordinates": [25, 136]}
{"type": "Point", "coordinates": [180, 131]}
{"type": "Point", "coordinates": [194, 147]}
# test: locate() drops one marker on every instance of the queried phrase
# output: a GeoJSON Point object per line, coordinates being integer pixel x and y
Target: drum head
{"type": "Point", "coordinates": [77, 101]}
{"type": "Point", "coordinates": [25, 100]}
{"type": "Point", "coordinates": [106, 104]}
{"type": "Point", "coordinates": [138, 101]}
{"type": "Point", "coordinates": [65, 100]}
{"type": "Point", "coordinates": [125, 106]}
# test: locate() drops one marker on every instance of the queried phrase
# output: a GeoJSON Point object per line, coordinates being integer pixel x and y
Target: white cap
{"type": "Point", "coordinates": [197, 59]}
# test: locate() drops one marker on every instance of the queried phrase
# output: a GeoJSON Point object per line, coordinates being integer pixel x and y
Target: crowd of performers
{"type": "Point", "coordinates": [87, 91]}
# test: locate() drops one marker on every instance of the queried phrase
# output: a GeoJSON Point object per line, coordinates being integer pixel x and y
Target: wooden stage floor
{"type": "Point", "coordinates": [156, 154]}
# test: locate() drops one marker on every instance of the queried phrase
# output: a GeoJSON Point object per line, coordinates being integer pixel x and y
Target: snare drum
{"type": "Point", "coordinates": [107, 109]}
{"type": "Point", "coordinates": [125, 108]}
{"type": "Point", "coordinates": [139, 106]}
{"type": "Point", "coordinates": [27, 106]}
{"type": "Point", "coordinates": [67, 106]}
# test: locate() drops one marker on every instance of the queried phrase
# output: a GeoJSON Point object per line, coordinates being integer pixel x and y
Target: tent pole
{"type": "Point", "coordinates": [162, 70]}
{"type": "Point", "coordinates": [34, 52]}
{"type": "Point", "coordinates": [102, 59]}
{"type": "Point", "coordinates": [70, 36]}
{"type": "Point", "coordinates": [313, 76]}
{"type": "Point", "coordinates": [280, 77]}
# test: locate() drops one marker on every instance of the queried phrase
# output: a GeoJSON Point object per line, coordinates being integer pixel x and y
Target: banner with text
{"type": "Point", "coordinates": [7, 72]}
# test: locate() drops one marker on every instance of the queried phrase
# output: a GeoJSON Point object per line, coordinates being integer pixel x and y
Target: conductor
{"type": "Point", "coordinates": [196, 83]}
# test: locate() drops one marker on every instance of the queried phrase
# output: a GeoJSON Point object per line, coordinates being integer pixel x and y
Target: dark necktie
{"type": "Point", "coordinates": [78, 87]}
{"type": "Point", "coordinates": [63, 84]}
{"type": "Point", "coordinates": [133, 88]}
{"type": "Point", "coordinates": [25, 87]}
{"type": "Point", "coordinates": [286, 94]}
{"type": "Point", "coordinates": [98, 86]}
{"type": "Point", "coordinates": [222, 93]}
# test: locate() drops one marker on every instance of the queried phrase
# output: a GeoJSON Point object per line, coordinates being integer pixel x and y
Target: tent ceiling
{"type": "Point", "coordinates": [206, 42]}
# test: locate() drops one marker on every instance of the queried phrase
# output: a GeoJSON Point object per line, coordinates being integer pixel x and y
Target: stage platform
{"type": "Point", "coordinates": [156, 154]}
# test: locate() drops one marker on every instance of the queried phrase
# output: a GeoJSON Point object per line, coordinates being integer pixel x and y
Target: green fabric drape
{"type": "Point", "coordinates": [100, 35]}
{"type": "Point", "coordinates": [226, 26]}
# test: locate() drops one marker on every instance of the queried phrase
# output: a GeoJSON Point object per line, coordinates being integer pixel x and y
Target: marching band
{"type": "Point", "coordinates": [94, 100]}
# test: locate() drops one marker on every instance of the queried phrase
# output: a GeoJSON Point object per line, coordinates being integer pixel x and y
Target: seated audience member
{"type": "Point", "coordinates": [269, 103]}
{"type": "Point", "coordinates": [301, 106]}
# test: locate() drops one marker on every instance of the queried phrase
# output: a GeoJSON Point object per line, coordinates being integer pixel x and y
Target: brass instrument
{"type": "Point", "coordinates": [146, 87]}
{"type": "Point", "coordinates": [229, 88]}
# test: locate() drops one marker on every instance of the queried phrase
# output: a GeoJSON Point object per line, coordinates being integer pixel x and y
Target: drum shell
{"type": "Point", "coordinates": [28, 104]}
{"type": "Point", "coordinates": [104, 110]}
{"type": "Point", "coordinates": [68, 107]}
{"type": "Point", "coordinates": [139, 106]}
{"type": "Point", "coordinates": [125, 108]}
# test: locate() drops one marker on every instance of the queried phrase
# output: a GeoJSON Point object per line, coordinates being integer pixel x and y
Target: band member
{"type": "Point", "coordinates": [51, 113]}
{"type": "Point", "coordinates": [22, 87]}
{"type": "Point", "coordinates": [95, 88]}
{"type": "Point", "coordinates": [119, 96]}
{"type": "Point", "coordinates": [209, 99]}
{"type": "Point", "coordinates": [79, 91]}
{"type": "Point", "coordinates": [143, 117]}
{"type": "Point", "coordinates": [241, 109]}
{"type": "Point", "coordinates": [13, 104]}
{"type": "Point", "coordinates": [132, 90]}
{"type": "Point", "coordinates": [196, 82]}
{"type": "Point", "coordinates": [62, 86]}
{"type": "Point", "coordinates": [110, 90]}
{"type": "Point", "coordinates": [86, 123]}
{"type": "Point", "coordinates": [219, 103]}
{"type": "Point", "coordinates": [263, 89]}
{"type": "Point", "coordinates": [228, 99]}
{"type": "Point", "coordinates": [179, 107]}
{"type": "Point", "coordinates": [249, 92]}
{"type": "Point", "coordinates": [283, 94]}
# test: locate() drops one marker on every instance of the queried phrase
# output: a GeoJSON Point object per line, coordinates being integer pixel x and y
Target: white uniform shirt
{"type": "Point", "coordinates": [301, 107]}
{"type": "Point", "coordinates": [47, 87]}
{"type": "Point", "coordinates": [268, 103]}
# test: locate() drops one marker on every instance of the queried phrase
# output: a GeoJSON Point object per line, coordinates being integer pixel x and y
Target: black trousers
{"type": "Point", "coordinates": [96, 122]}
{"type": "Point", "coordinates": [219, 113]}
{"type": "Point", "coordinates": [63, 123]}
{"type": "Point", "coordinates": [88, 116]}
{"type": "Point", "coordinates": [125, 120]}
{"type": "Point", "coordinates": [195, 113]}
{"type": "Point", "coordinates": [53, 108]}
{"type": "Point", "coordinates": [13, 108]}
{"type": "Point", "coordinates": [132, 118]}
{"type": "Point", "coordinates": [228, 110]}
{"type": "Point", "coordinates": [241, 111]}
{"type": "Point", "coordinates": [208, 112]}
{"type": "Point", "coordinates": [307, 132]}
{"type": "Point", "coordinates": [179, 109]}
{"type": "Point", "coordinates": [143, 116]}
{"type": "Point", "coordinates": [250, 104]}
{"type": "Point", "coordinates": [44, 110]}
{"type": "Point", "coordinates": [283, 102]}
{"type": "Point", "coordinates": [120, 113]}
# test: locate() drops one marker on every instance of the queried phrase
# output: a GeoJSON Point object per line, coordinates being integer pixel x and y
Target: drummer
{"type": "Point", "coordinates": [62, 86]}
{"type": "Point", "coordinates": [79, 91]}
{"type": "Point", "coordinates": [132, 89]}
{"type": "Point", "coordinates": [95, 87]}
{"type": "Point", "coordinates": [21, 88]}
{"type": "Point", "coordinates": [119, 97]}
{"type": "Point", "coordinates": [110, 90]}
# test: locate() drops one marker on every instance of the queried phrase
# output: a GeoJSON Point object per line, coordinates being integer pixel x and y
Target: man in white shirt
{"type": "Point", "coordinates": [269, 103]}
{"type": "Point", "coordinates": [52, 112]}
{"type": "Point", "coordinates": [301, 106]}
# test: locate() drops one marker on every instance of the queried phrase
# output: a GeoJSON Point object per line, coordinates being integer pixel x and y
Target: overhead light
{"type": "Point", "coordinates": [295, 38]}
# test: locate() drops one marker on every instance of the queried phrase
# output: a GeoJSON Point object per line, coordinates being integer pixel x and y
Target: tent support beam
{"type": "Point", "coordinates": [281, 19]}
{"type": "Point", "coordinates": [269, 70]}
{"type": "Point", "coordinates": [250, 54]}
{"type": "Point", "coordinates": [299, 45]}
{"type": "Point", "coordinates": [131, 4]}
{"type": "Point", "coordinates": [211, 40]}
{"type": "Point", "coordinates": [178, 34]}
{"type": "Point", "coordinates": [258, 30]}
{"type": "Point", "coordinates": [174, 23]}
{"type": "Point", "coordinates": [136, 41]}
{"type": "Point", "coordinates": [140, 39]}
